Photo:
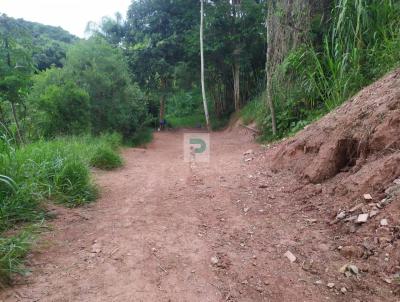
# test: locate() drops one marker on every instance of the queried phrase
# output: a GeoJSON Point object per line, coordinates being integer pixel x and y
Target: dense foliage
{"type": "Point", "coordinates": [92, 92]}
{"type": "Point", "coordinates": [48, 43]}
{"type": "Point", "coordinates": [161, 42]}
{"type": "Point", "coordinates": [360, 44]}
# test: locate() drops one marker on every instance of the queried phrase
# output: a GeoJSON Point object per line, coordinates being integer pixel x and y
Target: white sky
{"type": "Point", "coordinates": [72, 15]}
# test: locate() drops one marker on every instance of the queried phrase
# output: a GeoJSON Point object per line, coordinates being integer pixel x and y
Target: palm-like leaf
{"type": "Point", "coordinates": [9, 182]}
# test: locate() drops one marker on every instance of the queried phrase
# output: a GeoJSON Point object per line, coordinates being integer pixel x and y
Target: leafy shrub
{"type": "Point", "coordinates": [114, 140]}
{"type": "Point", "coordinates": [92, 93]}
{"type": "Point", "coordinates": [106, 158]}
{"type": "Point", "coordinates": [63, 109]}
{"type": "Point", "coordinates": [142, 137]}
{"type": "Point", "coordinates": [117, 104]}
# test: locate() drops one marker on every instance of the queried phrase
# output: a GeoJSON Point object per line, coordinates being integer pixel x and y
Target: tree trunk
{"type": "Point", "coordinates": [14, 112]}
{"type": "Point", "coordinates": [203, 89]}
{"type": "Point", "coordinates": [162, 104]}
{"type": "Point", "coordinates": [270, 103]}
{"type": "Point", "coordinates": [236, 84]}
{"type": "Point", "coordinates": [288, 22]}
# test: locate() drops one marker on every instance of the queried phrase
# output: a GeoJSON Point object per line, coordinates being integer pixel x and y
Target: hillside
{"type": "Point", "coordinates": [355, 146]}
{"type": "Point", "coordinates": [49, 43]}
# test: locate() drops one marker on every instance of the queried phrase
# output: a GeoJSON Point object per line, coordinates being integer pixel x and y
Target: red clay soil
{"type": "Point", "coordinates": [360, 138]}
{"type": "Point", "coordinates": [166, 230]}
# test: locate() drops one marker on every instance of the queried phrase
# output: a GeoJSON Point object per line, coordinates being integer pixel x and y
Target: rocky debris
{"type": "Point", "coordinates": [292, 258]}
{"type": "Point", "coordinates": [341, 215]}
{"type": "Point", "coordinates": [367, 196]}
{"type": "Point", "coordinates": [349, 269]}
{"type": "Point", "coordinates": [351, 218]}
{"type": "Point", "coordinates": [214, 260]}
{"type": "Point", "coordinates": [384, 222]}
{"type": "Point", "coordinates": [247, 156]}
{"type": "Point", "coordinates": [362, 218]}
{"type": "Point", "coordinates": [393, 191]}
{"type": "Point", "coordinates": [343, 290]}
{"type": "Point", "coordinates": [221, 261]}
{"type": "Point", "coordinates": [356, 207]}
{"type": "Point", "coordinates": [397, 181]}
{"type": "Point", "coordinates": [96, 248]}
{"type": "Point", "coordinates": [330, 285]}
{"type": "Point", "coordinates": [383, 203]}
{"type": "Point", "coordinates": [373, 213]}
{"type": "Point", "coordinates": [248, 152]}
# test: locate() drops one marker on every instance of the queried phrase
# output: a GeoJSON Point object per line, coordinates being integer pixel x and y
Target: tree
{"type": "Point", "coordinates": [117, 104]}
{"type": "Point", "coordinates": [288, 27]}
{"type": "Point", "coordinates": [48, 44]}
{"type": "Point", "coordinates": [15, 70]}
{"type": "Point", "coordinates": [155, 42]}
{"type": "Point", "coordinates": [64, 109]}
{"type": "Point", "coordinates": [111, 29]}
{"type": "Point", "coordinates": [234, 51]}
{"type": "Point", "coordinates": [203, 90]}
{"type": "Point", "coordinates": [93, 91]}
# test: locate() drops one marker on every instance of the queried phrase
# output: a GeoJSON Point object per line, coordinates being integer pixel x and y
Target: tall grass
{"type": "Point", "coordinates": [58, 171]}
{"type": "Point", "coordinates": [361, 45]}
{"type": "Point", "coordinates": [12, 251]}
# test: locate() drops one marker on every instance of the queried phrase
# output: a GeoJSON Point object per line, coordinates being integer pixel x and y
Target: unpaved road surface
{"type": "Point", "coordinates": [166, 230]}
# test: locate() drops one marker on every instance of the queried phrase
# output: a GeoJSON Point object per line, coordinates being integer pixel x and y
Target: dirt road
{"type": "Point", "coordinates": [166, 230]}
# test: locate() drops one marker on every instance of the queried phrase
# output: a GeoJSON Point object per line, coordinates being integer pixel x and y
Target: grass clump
{"type": "Point", "coordinates": [58, 171]}
{"type": "Point", "coordinates": [252, 111]}
{"type": "Point", "coordinates": [106, 158]}
{"type": "Point", "coordinates": [12, 251]}
{"type": "Point", "coordinates": [190, 121]}
{"type": "Point", "coordinates": [74, 185]}
{"type": "Point", "coordinates": [141, 138]}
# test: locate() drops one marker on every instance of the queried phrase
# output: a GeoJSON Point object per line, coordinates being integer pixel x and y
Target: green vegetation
{"type": "Point", "coordinates": [59, 95]}
{"type": "Point", "coordinates": [12, 250]}
{"type": "Point", "coordinates": [48, 44]}
{"type": "Point", "coordinates": [56, 170]}
{"type": "Point", "coordinates": [253, 111]}
{"type": "Point", "coordinates": [141, 138]}
{"type": "Point", "coordinates": [54, 107]}
{"type": "Point", "coordinates": [359, 46]}
{"type": "Point", "coordinates": [106, 158]}
{"type": "Point", "coordinates": [161, 43]}
{"type": "Point", "coordinates": [93, 92]}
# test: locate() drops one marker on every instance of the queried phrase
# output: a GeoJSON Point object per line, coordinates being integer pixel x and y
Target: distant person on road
{"type": "Point", "coordinates": [163, 124]}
